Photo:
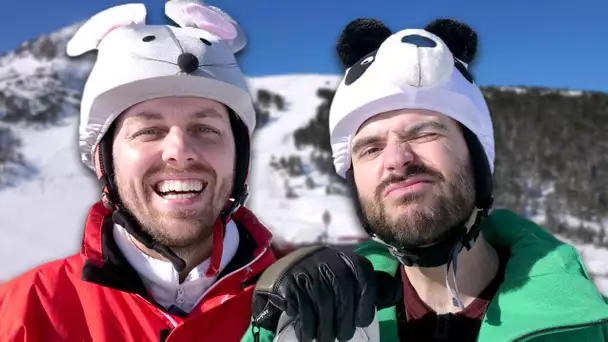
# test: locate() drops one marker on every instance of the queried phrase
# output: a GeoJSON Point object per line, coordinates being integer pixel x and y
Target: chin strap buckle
{"type": "Point", "coordinates": [235, 205]}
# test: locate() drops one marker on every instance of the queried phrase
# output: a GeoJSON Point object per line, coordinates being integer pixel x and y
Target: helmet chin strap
{"type": "Point", "coordinates": [444, 251]}
{"type": "Point", "coordinates": [439, 252]}
{"type": "Point", "coordinates": [124, 218]}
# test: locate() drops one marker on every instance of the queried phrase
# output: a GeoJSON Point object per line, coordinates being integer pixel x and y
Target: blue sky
{"type": "Point", "coordinates": [560, 44]}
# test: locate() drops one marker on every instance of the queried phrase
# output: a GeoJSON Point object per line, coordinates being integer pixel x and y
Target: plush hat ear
{"type": "Point", "coordinates": [188, 13]}
{"type": "Point", "coordinates": [360, 37]}
{"type": "Point", "coordinates": [92, 32]}
{"type": "Point", "coordinates": [459, 38]}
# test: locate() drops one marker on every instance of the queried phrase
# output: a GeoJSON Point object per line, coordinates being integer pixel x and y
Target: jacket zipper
{"type": "Point", "coordinates": [231, 273]}
{"type": "Point", "coordinates": [563, 327]}
{"type": "Point", "coordinates": [173, 322]}
{"type": "Point", "coordinates": [169, 318]}
{"type": "Point", "coordinates": [210, 288]}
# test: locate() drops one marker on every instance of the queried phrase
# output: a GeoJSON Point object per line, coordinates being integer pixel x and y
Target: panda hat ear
{"type": "Point", "coordinates": [459, 38]}
{"type": "Point", "coordinates": [360, 37]}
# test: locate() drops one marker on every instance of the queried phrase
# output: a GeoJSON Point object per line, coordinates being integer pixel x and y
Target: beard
{"type": "Point", "coordinates": [431, 214]}
{"type": "Point", "coordinates": [181, 230]}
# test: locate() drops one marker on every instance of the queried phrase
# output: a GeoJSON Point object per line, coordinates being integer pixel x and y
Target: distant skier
{"type": "Point", "coordinates": [412, 135]}
{"type": "Point", "coordinates": [169, 254]}
{"type": "Point", "coordinates": [326, 217]}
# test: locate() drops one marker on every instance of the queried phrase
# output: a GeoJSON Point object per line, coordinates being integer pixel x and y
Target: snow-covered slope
{"type": "Point", "coordinates": [42, 215]}
{"type": "Point", "coordinates": [297, 219]}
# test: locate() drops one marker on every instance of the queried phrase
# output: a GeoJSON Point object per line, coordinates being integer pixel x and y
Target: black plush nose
{"type": "Point", "coordinates": [418, 40]}
{"type": "Point", "coordinates": [187, 62]}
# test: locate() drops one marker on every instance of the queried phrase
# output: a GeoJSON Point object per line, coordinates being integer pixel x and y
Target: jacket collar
{"type": "Point", "coordinates": [104, 263]}
{"type": "Point", "coordinates": [546, 286]}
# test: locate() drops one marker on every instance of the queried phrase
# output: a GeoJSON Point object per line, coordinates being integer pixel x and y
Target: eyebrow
{"type": "Point", "coordinates": [410, 131]}
{"type": "Point", "coordinates": [201, 114]}
{"type": "Point", "coordinates": [154, 116]}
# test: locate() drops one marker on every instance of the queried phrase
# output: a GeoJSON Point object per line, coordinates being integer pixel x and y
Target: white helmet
{"type": "Point", "coordinates": [138, 62]}
{"type": "Point", "coordinates": [412, 68]}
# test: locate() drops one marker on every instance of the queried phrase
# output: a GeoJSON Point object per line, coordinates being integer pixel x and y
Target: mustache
{"type": "Point", "coordinates": [411, 171]}
{"type": "Point", "coordinates": [167, 170]}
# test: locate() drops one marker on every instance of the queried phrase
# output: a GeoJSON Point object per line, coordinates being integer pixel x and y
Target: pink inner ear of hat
{"type": "Point", "coordinates": [209, 20]}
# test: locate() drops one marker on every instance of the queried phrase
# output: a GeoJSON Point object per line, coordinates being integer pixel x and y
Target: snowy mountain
{"type": "Point", "coordinates": [45, 191]}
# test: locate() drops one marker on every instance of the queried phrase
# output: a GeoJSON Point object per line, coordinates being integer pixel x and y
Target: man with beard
{"type": "Point", "coordinates": [412, 135]}
{"type": "Point", "coordinates": [169, 254]}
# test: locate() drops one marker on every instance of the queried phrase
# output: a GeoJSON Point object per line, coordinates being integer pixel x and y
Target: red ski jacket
{"type": "Point", "coordinates": [96, 295]}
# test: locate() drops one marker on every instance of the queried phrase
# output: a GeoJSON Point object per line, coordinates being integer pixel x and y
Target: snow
{"type": "Point", "coordinates": [518, 90]}
{"type": "Point", "coordinates": [63, 190]}
{"type": "Point", "coordinates": [523, 90]}
{"type": "Point", "coordinates": [596, 262]}
{"type": "Point", "coordinates": [299, 219]}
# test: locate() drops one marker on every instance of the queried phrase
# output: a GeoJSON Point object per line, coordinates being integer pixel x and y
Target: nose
{"type": "Point", "coordinates": [396, 156]}
{"type": "Point", "coordinates": [187, 62]}
{"type": "Point", "coordinates": [177, 151]}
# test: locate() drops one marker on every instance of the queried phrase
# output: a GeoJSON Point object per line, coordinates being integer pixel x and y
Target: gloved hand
{"type": "Point", "coordinates": [328, 292]}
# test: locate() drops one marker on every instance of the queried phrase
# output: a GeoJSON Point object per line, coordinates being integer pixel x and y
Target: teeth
{"type": "Point", "coordinates": [180, 186]}
{"type": "Point", "coordinates": [180, 196]}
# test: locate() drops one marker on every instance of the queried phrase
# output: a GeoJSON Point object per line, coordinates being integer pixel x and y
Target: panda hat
{"type": "Point", "coordinates": [414, 69]}
{"type": "Point", "coordinates": [138, 62]}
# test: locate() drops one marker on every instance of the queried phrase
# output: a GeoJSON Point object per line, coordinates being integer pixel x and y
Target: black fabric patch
{"type": "Point", "coordinates": [484, 182]}
{"type": "Point", "coordinates": [242, 146]}
{"type": "Point", "coordinates": [164, 334]}
{"type": "Point", "coordinates": [116, 272]}
{"type": "Point", "coordinates": [419, 41]}
{"type": "Point", "coordinates": [359, 68]}
{"type": "Point", "coordinates": [244, 253]}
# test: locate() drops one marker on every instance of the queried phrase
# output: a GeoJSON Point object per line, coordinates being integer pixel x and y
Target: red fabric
{"type": "Point", "coordinates": [51, 303]}
{"type": "Point", "coordinates": [422, 324]}
{"type": "Point", "coordinates": [217, 249]}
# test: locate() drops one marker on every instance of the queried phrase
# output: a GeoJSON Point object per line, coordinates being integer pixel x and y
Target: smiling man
{"type": "Point", "coordinates": [169, 254]}
{"type": "Point", "coordinates": [174, 159]}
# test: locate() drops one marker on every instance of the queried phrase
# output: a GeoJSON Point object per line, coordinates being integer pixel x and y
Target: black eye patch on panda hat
{"type": "Point", "coordinates": [359, 68]}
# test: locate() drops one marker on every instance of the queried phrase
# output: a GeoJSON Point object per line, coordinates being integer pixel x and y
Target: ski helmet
{"type": "Point", "coordinates": [138, 62]}
{"type": "Point", "coordinates": [414, 69]}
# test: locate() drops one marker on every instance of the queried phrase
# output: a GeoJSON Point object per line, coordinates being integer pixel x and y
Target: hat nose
{"type": "Point", "coordinates": [418, 40]}
{"type": "Point", "coordinates": [187, 62]}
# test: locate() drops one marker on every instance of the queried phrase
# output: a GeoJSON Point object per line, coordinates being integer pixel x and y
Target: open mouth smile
{"type": "Point", "coordinates": [180, 190]}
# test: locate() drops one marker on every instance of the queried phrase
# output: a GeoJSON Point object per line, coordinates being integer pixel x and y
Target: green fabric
{"type": "Point", "coordinates": [546, 296]}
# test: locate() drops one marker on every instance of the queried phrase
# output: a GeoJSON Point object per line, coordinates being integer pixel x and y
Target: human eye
{"type": "Point", "coordinates": [207, 130]}
{"type": "Point", "coordinates": [369, 151]}
{"type": "Point", "coordinates": [148, 133]}
{"type": "Point", "coordinates": [425, 136]}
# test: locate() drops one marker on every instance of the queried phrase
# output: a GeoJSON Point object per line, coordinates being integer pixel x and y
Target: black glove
{"type": "Point", "coordinates": [328, 292]}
